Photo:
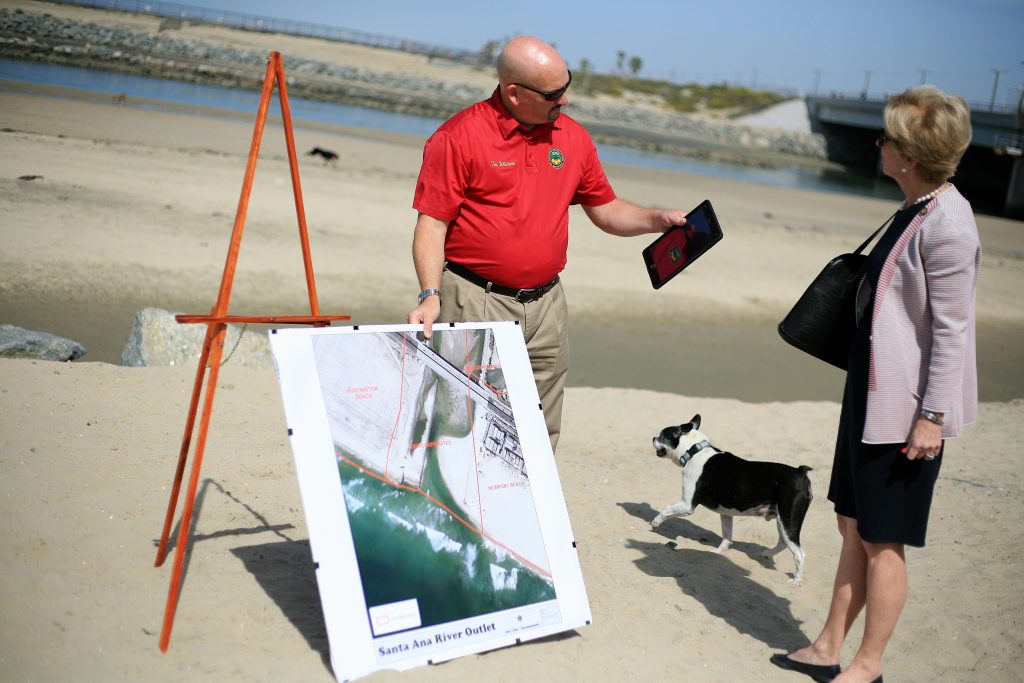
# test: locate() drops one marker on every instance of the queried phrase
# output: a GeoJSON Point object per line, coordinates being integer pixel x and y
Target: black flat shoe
{"type": "Point", "coordinates": [822, 673]}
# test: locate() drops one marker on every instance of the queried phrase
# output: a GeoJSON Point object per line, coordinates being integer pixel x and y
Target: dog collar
{"type": "Point", "coordinates": [694, 450]}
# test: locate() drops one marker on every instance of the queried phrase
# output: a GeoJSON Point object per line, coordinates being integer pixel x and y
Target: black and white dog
{"type": "Point", "coordinates": [732, 486]}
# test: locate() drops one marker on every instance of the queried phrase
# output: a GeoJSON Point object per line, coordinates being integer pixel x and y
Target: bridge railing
{"type": "Point", "coordinates": [995, 107]}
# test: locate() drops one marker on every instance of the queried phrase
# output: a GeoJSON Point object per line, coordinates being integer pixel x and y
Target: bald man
{"type": "Point", "coordinates": [493, 198]}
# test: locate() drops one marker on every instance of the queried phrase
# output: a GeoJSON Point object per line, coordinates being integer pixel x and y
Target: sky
{"type": "Point", "coordinates": [974, 48]}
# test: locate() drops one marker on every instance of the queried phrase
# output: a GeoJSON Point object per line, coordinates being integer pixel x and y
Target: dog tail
{"type": "Point", "coordinates": [791, 515]}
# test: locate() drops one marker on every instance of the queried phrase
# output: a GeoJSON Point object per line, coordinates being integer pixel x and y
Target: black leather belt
{"type": "Point", "coordinates": [523, 296]}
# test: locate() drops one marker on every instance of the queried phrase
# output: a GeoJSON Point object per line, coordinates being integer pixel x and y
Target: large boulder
{"type": "Point", "coordinates": [17, 342]}
{"type": "Point", "coordinates": [157, 339]}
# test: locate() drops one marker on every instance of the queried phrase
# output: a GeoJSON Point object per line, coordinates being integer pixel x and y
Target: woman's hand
{"type": "Point", "coordinates": [925, 440]}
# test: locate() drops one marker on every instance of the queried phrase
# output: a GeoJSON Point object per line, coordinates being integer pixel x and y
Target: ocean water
{"type": "Point", "coordinates": [178, 92]}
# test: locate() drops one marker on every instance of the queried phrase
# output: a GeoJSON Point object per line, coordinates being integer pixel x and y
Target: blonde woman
{"type": "Point", "coordinates": [911, 381]}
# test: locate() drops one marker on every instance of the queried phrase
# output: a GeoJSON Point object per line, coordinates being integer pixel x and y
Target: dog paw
{"type": "Point", "coordinates": [656, 522]}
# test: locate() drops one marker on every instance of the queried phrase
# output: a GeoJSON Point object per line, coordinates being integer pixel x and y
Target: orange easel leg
{"type": "Point", "coordinates": [216, 351]}
{"type": "Point", "coordinates": [186, 443]}
{"type": "Point", "coordinates": [300, 211]}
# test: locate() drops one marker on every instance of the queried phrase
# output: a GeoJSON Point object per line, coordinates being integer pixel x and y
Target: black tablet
{"type": "Point", "coordinates": [678, 247]}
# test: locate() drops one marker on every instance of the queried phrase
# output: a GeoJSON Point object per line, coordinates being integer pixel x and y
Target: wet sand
{"type": "Point", "coordinates": [742, 359]}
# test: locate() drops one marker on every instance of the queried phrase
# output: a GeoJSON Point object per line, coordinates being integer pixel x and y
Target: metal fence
{"type": "Point", "coordinates": [252, 22]}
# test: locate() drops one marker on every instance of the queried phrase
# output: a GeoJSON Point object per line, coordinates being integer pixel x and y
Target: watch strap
{"type": "Point", "coordinates": [428, 292]}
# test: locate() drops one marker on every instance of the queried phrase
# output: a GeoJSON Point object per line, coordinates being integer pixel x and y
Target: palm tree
{"type": "Point", "coordinates": [635, 64]}
{"type": "Point", "coordinates": [620, 59]}
{"type": "Point", "coordinates": [585, 68]}
{"type": "Point", "coordinates": [488, 52]}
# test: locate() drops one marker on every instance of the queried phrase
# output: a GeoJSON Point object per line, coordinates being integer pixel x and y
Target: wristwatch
{"type": "Point", "coordinates": [428, 292]}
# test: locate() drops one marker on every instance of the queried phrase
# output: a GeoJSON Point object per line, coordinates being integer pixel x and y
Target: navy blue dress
{"type": "Point", "coordinates": [888, 495]}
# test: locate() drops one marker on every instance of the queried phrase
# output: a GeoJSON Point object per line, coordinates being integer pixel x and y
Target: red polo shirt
{"type": "Point", "coordinates": [507, 191]}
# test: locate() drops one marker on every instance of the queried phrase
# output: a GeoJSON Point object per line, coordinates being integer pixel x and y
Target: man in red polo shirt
{"type": "Point", "coordinates": [493, 198]}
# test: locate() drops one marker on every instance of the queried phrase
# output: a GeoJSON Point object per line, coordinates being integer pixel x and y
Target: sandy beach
{"type": "Point", "coordinates": [134, 208]}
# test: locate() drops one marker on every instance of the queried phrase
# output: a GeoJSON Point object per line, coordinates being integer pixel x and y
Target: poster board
{"type": "Point", "coordinates": [436, 518]}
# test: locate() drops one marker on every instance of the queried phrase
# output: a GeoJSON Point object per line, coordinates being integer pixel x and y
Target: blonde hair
{"type": "Point", "coordinates": [931, 127]}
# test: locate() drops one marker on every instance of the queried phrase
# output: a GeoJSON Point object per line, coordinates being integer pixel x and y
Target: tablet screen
{"type": "Point", "coordinates": [680, 246]}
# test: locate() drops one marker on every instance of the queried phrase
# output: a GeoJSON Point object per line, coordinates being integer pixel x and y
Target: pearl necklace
{"type": "Point", "coordinates": [931, 195]}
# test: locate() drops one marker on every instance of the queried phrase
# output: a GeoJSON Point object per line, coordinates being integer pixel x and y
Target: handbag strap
{"type": "Point", "coordinates": [860, 303]}
{"type": "Point", "coordinates": [875, 233]}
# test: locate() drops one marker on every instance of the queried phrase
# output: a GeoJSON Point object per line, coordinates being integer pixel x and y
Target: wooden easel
{"type": "Point", "coordinates": [216, 327]}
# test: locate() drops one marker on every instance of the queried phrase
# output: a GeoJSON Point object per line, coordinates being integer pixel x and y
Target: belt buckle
{"type": "Point", "coordinates": [525, 296]}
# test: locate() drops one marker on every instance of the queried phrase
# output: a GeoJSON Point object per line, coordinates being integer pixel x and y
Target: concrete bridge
{"type": "Point", "coordinates": [991, 174]}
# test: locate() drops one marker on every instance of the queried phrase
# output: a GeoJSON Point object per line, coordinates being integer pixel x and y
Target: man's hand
{"type": "Point", "coordinates": [670, 219]}
{"type": "Point", "coordinates": [426, 313]}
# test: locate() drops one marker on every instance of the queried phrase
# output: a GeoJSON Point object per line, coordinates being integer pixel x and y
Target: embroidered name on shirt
{"type": "Point", "coordinates": [503, 163]}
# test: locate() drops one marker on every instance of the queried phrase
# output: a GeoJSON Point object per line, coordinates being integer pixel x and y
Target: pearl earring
{"type": "Point", "coordinates": [903, 170]}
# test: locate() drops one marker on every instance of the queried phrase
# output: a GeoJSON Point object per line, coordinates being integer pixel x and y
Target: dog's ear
{"type": "Point", "coordinates": [687, 427]}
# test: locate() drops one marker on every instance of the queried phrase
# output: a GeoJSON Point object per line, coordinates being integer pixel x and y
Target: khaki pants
{"type": "Point", "coordinates": [545, 327]}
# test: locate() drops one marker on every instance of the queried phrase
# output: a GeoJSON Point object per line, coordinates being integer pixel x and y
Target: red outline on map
{"type": "Point", "coordinates": [435, 501]}
{"type": "Point", "coordinates": [475, 371]}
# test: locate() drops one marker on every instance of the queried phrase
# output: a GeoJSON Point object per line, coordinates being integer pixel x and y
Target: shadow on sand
{"type": "Point", "coordinates": [725, 590]}
{"type": "Point", "coordinates": [284, 569]}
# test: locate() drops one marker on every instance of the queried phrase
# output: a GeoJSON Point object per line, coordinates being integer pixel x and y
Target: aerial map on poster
{"type": "Point", "coordinates": [429, 487]}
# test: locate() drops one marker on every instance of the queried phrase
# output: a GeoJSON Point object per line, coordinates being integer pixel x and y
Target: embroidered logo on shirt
{"type": "Point", "coordinates": [555, 157]}
{"type": "Point", "coordinates": [502, 163]}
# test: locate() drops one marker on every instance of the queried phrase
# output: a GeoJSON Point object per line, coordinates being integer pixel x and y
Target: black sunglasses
{"type": "Point", "coordinates": [549, 95]}
{"type": "Point", "coordinates": [883, 138]}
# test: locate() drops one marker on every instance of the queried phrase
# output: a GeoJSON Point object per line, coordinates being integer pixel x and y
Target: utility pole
{"type": "Point", "coordinates": [995, 88]}
{"type": "Point", "coordinates": [867, 82]}
{"type": "Point", "coordinates": [924, 76]}
{"type": "Point", "coordinates": [1020, 103]}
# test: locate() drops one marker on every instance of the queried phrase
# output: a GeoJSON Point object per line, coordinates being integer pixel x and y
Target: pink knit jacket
{"type": "Point", "coordinates": [923, 352]}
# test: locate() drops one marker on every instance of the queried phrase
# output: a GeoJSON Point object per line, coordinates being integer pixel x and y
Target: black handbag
{"type": "Point", "coordinates": [824, 319]}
